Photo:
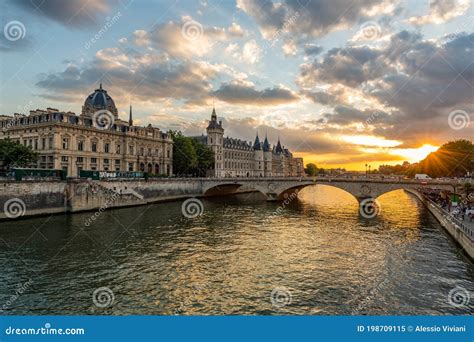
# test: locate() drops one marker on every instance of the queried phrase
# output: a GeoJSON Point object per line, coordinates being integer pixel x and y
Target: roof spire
{"type": "Point", "coordinates": [100, 85]}
{"type": "Point", "coordinates": [130, 118]}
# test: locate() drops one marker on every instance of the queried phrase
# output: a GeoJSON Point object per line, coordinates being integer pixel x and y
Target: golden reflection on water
{"type": "Point", "coordinates": [229, 260]}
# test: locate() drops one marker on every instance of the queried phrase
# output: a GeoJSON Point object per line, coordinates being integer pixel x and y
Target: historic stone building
{"type": "Point", "coordinates": [95, 140]}
{"type": "Point", "coordinates": [239, 158]}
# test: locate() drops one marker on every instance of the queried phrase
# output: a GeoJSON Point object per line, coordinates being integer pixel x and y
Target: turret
{"type": "Point", "coordinates": [215, 140]}
{"type": "Point", "coordinates": [267, 157]}
{"type": "Point", "coordinates": [259, 169]}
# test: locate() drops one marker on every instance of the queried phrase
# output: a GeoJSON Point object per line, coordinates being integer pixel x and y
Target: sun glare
{"type": "Point", "coordinates": [415, 154]}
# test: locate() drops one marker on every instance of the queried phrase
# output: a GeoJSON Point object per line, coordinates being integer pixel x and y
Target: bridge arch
{"type": "Point", "coordinates": [220, 188]}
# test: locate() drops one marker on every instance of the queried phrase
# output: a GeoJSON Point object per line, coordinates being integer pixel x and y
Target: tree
{"type": "Point", "coordinates": [184, 155]}
{"type": "Point", "coordinates": [453, 159]}
{"type": "Point", "coordinates": [311, 169]}
{"type": "Point", "coordinates": [205, 158]}
{"type": "Point", "coordinates": [190, 157]}
{"type": "Point", "coordinates": [13, 154]}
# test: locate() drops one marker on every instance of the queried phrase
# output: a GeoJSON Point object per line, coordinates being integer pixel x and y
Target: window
{"type": "Point", "coordinates": [43, 143]}
{"type": "Point", "coordinates": [64, 158]}
{"type": "Point", "coordinates": [80, 159]}
{"type": "Point", "coordinates": [118, 149]}
{"type": "Point", "coordinates": [168, 153]}
{"type": "Point", "coordinates": [51, 143]}
{"type": "Point", "coordinates": [130, 166]}
{"type": "Point", "coordinates": [106, 161]}
{"type": "Point", "coordinates": [65, 143]}
{"type": "Point", "coordinates": [130, 148]}
{"type": "Point", "coordinates": [142, 151]}
{"type": "Point", "coordinates": [80, 145]}
{"type": "Point", "coordinates": [117, 161]}
{"type": "Point", "coordinates": [106, 147]}
{"type": "Point", "coordinates": [94, 146]}
{"type": "Point", "coordinates": [93, 160]}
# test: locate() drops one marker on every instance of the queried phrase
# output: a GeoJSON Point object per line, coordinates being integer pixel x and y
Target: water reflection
{"type": "Point", "coordinates": [231, 258]}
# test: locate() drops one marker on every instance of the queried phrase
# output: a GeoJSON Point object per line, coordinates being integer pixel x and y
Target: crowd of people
{"type": "Point", "coordinates": [462, 209]}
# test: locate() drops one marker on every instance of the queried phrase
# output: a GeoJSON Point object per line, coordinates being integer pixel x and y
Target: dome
{"type": "Point", "coordinates": [99, 100]}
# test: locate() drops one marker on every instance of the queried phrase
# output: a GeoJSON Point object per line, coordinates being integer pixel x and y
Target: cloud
{"type": "Point", "coordinates": [315, 18]}
{"type": "Point", "coordinates": [312, 49]}
{"type": "Point", "coordinates": [350, 66]}
{"type": "Point", "coordinates": [442, 11]}
{"type": "Point", "coordinates": [235, 30]}
{"type": "Point", "coordinates": [251, 53]}
{"type": "Point", "coordinates": [144, 77]}
{"type": "Point", "coordinates": [245, 93]}
{"type": "Point", "coordinates": [401, 86]}
{"type": "Point", "coordinates": [76, 14]}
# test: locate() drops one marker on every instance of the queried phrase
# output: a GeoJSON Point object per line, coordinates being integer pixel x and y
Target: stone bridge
{"type": "Point", "coordinates": [276, 189]}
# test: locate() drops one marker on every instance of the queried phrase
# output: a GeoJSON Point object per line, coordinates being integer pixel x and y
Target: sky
{"type": "Point", "coordinates": [342, 83]}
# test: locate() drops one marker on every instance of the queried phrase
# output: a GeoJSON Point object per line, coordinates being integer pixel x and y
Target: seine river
{"type": "Point", "coordinates": [317, 256]}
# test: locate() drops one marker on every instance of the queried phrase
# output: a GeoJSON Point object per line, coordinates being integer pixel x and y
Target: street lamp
{"type": "Point", "coordinates": [366, 169]}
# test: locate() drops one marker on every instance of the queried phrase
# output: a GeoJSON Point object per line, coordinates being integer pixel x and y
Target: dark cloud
{"type": "Point", "coordinates": [431, 79]}
{"type": "Point", "coordinates": [75, 13]}
{"type": "Point", "coordinates": [350, 66]}
{"type": "Point", "coordinates": [442, 11]}
{"type": "Point", "coordinates": [149, 79]}
{"type": "Point", "coordinates": [239, 93]}
{"type": "Point", "coordinates": [308, 17]}
{"type": "Point", "coordinates": [312, 49]}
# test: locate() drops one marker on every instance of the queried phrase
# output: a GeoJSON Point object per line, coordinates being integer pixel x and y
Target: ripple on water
{"type": "Point", "coordinates": [230, 260]}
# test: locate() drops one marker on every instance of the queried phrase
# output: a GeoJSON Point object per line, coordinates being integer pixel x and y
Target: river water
{"type": "Point", "coordinates": [243, 255]}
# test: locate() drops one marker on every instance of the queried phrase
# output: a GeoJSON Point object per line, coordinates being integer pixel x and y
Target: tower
{"type": "Point", "coordinates": [215, 140]}
{"type": "Point", "coordinates": [259, 170]}
{"type": "Point", "coordinates": [267, 158]}
{"type": "Point", "coordinates": [130, 118]}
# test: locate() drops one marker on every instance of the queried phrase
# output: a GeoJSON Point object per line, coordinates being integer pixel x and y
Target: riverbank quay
{"type": "Point", "coordinates": [461, 231]}
{"type": "Point", "coordinates": [29, 198]}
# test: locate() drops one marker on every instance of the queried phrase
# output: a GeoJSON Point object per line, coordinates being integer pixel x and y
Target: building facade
{"type": "Point", "coordinates": [240, 158]}
{"type": "Point", "coordinates": [95, 140]}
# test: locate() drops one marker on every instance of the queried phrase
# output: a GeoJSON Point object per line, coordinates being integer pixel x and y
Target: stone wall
{"type": "Point", "coordinates": [29, 198]}
{"type": "Point", "coordinates": [456, 233]}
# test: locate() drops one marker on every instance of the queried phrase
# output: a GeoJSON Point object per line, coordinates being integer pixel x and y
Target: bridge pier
{"type": "Point", "coordinates": [272, 197]}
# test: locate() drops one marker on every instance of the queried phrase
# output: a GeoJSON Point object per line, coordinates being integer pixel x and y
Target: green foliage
{"type": "Point", "coordinates": [205, 158]}
{"type": "Point", "coordinates": [190, 157]}
{"type": "Point", "coordinates": [311, 169]}
{"type": "Point", "coordinates": [13, 154]}
{"type": "Point", "coordinates": [453, 159]}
